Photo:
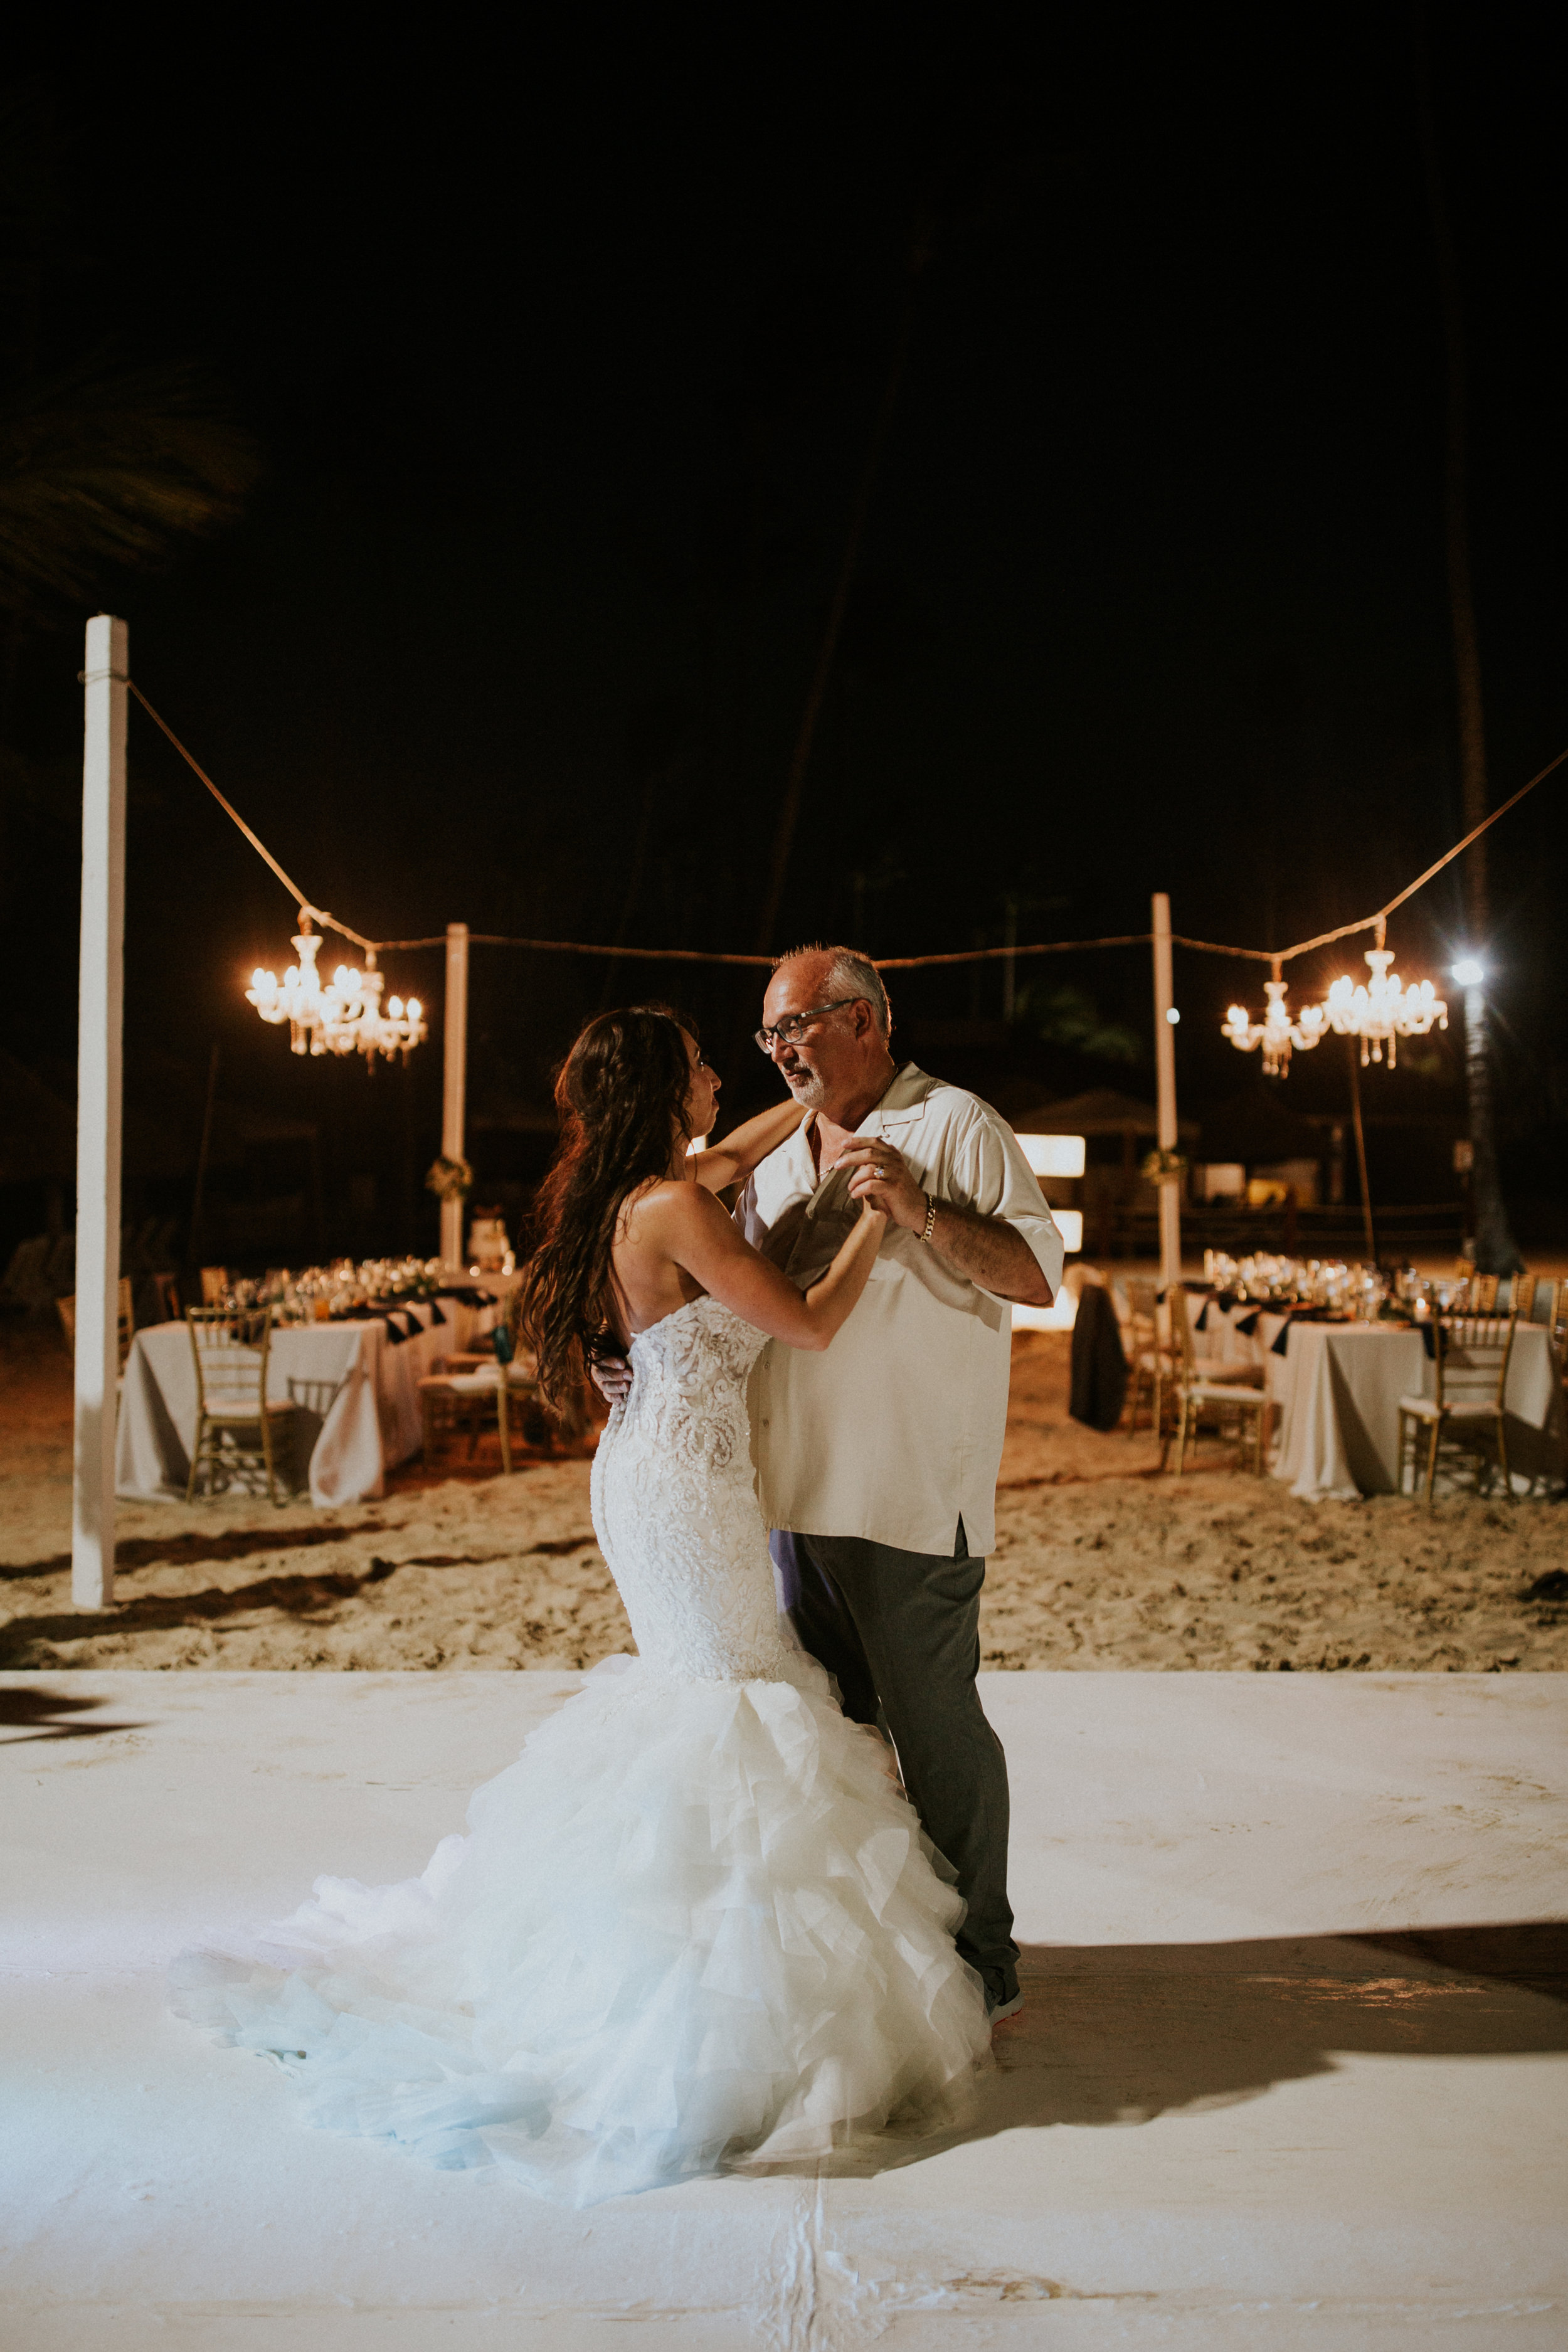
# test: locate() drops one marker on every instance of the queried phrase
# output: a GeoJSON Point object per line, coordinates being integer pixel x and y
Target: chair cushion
{"type": "Point", "coordinates": [1451, 1408]}
{"type": "Point", "coordinates": [275, 1405]}
{"type": "Point", "coordinates": [1227, 1391]}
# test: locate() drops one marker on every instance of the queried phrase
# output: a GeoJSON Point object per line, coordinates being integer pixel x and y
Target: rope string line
{"type": "Point", "coordinates": [1370, 922]}
{"type": "Point", "coordinates": [1274, 956]}
{"type": "Point", "coordinates": [318, 914]}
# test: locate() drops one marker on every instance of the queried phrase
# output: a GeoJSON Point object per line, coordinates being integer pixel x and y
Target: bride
{"type": "Point", "coordinates": [696, 1926]}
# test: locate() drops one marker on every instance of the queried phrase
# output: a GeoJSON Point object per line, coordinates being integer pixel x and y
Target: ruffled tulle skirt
{"type": "Point", "coordinates": [694, 1926]}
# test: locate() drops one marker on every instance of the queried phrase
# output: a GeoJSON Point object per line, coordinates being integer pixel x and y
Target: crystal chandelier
{"type": "Point", "coordinates": [1275, 1032]}
{"type": "Point", "coordinates": [343, 1016]}
{"type": "Point", "coordinates": [1383, 1010]}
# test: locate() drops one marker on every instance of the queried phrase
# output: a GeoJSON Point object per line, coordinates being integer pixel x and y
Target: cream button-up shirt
{"type": "Point", "coordinates": [895, 1432]}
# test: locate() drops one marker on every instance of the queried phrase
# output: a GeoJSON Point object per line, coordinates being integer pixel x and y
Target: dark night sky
{"type": "Point", "coordinates": [562, 361]}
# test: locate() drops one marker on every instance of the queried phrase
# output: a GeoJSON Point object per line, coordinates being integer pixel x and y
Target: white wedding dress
{"type": "Point", "coordinates": [694, 1926]}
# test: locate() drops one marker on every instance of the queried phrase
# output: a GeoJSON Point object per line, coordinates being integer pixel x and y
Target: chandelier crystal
{"type": "Point", "coordinates": [343, 1016]}
{"type": "Point", "coordinates": [1277, 1033]}
{"type": "Point", "coordinates": [1383, 1010]}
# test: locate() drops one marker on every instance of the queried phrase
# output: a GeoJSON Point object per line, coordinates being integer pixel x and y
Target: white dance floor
{"type": "Point", "coordinates": [1248, 2104]}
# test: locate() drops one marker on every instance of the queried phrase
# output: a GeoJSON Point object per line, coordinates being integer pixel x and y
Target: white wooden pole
{"type": "Point", "coordinates": [455, 1083]}
{"type": "Point", "coordinates": [1165, 1068]}
{"type": "Point", "coordinates": [99, 1046]}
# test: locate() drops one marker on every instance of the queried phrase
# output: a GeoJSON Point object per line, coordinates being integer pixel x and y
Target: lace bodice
{"type": "Point", "coordinates": [675, 1508]}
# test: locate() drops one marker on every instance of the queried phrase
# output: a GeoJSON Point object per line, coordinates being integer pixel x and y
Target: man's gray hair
{"type": "Point", "coordinates": [851, 973]}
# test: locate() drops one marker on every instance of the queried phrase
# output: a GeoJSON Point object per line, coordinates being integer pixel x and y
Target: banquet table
{"type": "Point", "coordinates": [354, 1388]}
{"type": "Point", "coordinates": [1336, 1391]}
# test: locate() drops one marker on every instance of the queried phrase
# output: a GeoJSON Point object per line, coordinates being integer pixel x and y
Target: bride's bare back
{"type": "Point", "coordinates": [673, 1242]}
{"type": "Point", "coordinates": [650, 1284]}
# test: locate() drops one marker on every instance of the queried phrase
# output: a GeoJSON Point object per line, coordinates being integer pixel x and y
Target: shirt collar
{"type": "Point", "coordinates": [904, 1099]}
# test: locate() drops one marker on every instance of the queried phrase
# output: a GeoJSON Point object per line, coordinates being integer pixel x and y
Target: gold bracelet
{"type": "Point", "coordinates": [931, 1216]}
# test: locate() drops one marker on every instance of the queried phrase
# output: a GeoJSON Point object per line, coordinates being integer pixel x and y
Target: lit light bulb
{"type": "Point", "coordinates": [1172, 1016]}
{"type": "Point", "coordinates": [394, 1006]}
{"type": "Point", "coordinates": [414, 1008]}
{"type": "Point", "coordinates": [1468, 972]}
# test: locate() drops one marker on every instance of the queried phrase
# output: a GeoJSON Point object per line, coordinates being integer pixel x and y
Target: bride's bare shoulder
{"type": "Point", "coordinates": [677, 1202]}
{"type": "Point", "coordinates": [666, 1204]}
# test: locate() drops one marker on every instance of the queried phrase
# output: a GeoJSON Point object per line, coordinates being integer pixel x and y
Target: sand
{"type": "Point", "coordinates": [1101, 1562]}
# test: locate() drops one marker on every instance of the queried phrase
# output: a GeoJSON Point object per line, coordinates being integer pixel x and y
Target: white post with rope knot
{"type": "Point", "coordinates": [102, 1020]}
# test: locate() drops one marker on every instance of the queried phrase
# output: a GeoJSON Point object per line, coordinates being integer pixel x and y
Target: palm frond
{"type": "Point", "coordinates": [102, 466]}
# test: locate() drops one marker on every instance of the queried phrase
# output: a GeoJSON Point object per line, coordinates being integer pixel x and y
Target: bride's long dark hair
{"type": "Point", "coordinates": [621, 1092]}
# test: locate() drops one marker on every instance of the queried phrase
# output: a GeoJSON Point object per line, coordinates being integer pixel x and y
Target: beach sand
{"type": "Point", "coordinates": [1101, 1562]}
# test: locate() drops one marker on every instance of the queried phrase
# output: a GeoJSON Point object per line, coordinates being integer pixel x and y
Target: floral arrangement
{"type": "Point", "coordinates": [449, 1180]}
{"type": "Point", "coordinates": [1164, 1167]}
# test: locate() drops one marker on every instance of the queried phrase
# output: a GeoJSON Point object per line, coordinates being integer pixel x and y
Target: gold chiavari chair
{"type": "Point", "coordinates": [66, 1309]}
{"type": "Point", "coordinates": [231, 1351]}
{"type": "Point", "coordinates": [1213, 1388]}
{"type": "Point", "coordinates": [1557, 1323]}
{"type": "Point", "coordinates": [1470, 1356]}
{"type": "Point", "coordinates": [1149, 1351]}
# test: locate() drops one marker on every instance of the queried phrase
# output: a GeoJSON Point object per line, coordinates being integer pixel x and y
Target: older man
{"type": "Point", "coordinates": [877, 1458]}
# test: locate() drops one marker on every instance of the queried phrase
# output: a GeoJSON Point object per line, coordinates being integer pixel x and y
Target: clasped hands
{"type": "Point", "coordinates": [878, 1175]}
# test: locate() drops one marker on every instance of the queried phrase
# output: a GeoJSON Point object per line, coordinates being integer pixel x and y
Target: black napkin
{"type": "Point", "coordinates": [1301, 1315]}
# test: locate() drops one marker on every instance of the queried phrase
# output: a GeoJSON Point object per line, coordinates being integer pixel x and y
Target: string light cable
{"type": "Point", "coordinates": [1275, 957]}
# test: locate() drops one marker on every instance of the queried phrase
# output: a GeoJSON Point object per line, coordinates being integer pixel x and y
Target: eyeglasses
{"type": "Point", "coordinates": [791, 1032]}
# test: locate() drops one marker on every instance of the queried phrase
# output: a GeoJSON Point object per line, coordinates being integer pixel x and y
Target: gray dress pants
{"type": "Point", "coordinates": [899, 1634]}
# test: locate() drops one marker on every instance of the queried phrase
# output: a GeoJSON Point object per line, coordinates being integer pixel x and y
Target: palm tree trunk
{"type": "Point", "coordinates": [794, 784]}
{"type": "Point", "coordinates": [1495, 1249]}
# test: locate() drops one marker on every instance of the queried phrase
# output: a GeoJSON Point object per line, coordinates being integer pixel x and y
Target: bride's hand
{"type": "Point", "coordinates": [879, 1179]}
{"type": "Point", "coordinates": [611, 1376]}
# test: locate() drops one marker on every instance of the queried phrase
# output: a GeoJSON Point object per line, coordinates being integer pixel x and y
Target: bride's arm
{"type": "Point", "coordinates": [692, 1226]}
{"type": "Point", "coordinates": [726, 1163]}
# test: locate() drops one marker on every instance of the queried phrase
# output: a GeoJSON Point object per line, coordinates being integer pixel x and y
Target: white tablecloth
{"type": "Point", "coordinates": [1337, 1391]}
{"type": "Point", "coordinates": [368, 1386]}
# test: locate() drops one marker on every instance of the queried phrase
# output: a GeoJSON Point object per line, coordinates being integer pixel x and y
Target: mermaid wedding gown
{"type": "Point", "coordinates": [694, 1926]}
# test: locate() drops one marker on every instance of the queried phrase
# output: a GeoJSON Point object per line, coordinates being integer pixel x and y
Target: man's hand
{"type": "Point", "coordinates": [991, 1252]}
{"type": "Point", "coordinates": [877, 1174]}
{"type": "Point", "coordinates": [611, 1376]}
